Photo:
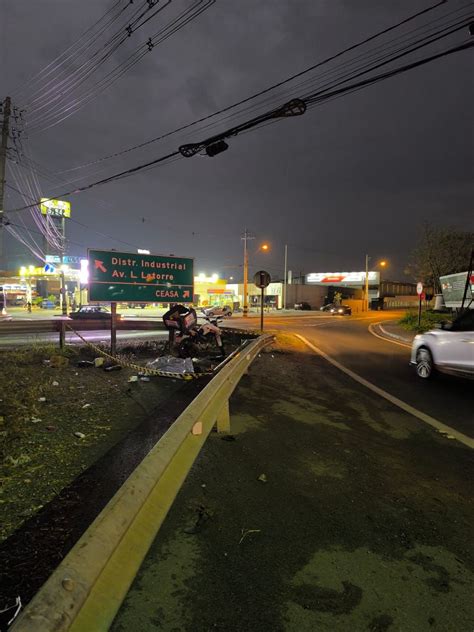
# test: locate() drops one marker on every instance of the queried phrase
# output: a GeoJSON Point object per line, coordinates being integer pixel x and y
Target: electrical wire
{"type": "Point", "coordinates": [310, 99]}
{"type": "Point", "coordinates": [271, 88]}
{"type": "Point", "coordinates": [63, 57]}
{"type": "Point", "coordinates": [63, 110]}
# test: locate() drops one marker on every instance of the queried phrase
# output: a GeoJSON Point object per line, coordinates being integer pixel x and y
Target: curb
{"type": "Point", "coordinates": [408, 341]}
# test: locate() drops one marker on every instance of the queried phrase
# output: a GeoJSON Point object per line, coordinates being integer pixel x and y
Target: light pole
{"type": "Point", "coordinates": [367, 283]}
{"type": "Point", "coordinates": [285, 280]}
{"type": "Point", "coordinates": [245, 237]}
{"type": "Point", "coordinates": [382, 264]}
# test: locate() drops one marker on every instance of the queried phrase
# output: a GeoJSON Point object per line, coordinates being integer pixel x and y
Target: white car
{"type": "Point", "coordinates": [449, 349]}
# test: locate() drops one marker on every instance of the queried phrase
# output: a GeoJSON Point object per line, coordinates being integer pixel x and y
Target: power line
{"type": "Point", "coordinates": [64, 110]}
{"type": "Point", "coordinates": [269, 88]}
{"type": "Point", "coordinates": [295, 107]}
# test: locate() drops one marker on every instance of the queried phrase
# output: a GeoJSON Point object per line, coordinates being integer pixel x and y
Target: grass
{"type": "Point", "coordinates": [429, 320]}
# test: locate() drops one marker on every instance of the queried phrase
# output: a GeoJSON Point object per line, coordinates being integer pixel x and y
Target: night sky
{"type": "Point", "coordinates": [358, 174]}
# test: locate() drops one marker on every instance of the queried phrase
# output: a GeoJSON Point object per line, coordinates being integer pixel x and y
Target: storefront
{"type": "Point", "coordinates": [212, 291]}
{"type": "Point", "coordinates": [272, 297]}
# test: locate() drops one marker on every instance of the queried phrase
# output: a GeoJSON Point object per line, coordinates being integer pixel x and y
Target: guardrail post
{"type": "Point", "coordinates": [223, 419]}
{"type": "Point", "coordinates": [62, 334]}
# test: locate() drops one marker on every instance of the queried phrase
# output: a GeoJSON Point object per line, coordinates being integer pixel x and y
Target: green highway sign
{"type": "Point", "coordinates": [129, 277]}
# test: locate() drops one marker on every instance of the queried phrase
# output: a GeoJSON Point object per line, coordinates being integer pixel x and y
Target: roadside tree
{"type": "Point", "coordinates": [440, 251]}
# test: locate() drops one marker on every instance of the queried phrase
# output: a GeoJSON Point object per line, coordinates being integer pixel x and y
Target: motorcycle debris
{"type": "Point", "coordinates": [85, 364]}
{"type": "Point", "coordinates": [114, 367]}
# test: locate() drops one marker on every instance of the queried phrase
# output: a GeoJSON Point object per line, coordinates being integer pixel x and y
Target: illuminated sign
{"type": "Point", "coordinates": [66, 259]}
{"type": "Point", "coordinates": [84, 273]}
{"type": "Point", "coordinates": [342, 278]}
{"type": "Point", "coordinates": [55, 208]}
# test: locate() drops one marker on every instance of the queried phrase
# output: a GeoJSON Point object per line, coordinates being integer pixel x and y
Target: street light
{"type": "Point", "coordinates": [381, 264]}
{"type": "Point", "coordinates": [264, 248]}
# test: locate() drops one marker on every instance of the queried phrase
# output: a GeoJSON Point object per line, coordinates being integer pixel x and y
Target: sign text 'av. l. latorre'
{"type": "Point", "coordinates": [119, 276]}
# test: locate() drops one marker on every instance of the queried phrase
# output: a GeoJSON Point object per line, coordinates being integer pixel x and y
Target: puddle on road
{"type": "Point", "coordinates": [309, 413]}
{"type": "Point", "coordinates": [427, 590]}
{"type": "Point", "coordinates": [388, 421]}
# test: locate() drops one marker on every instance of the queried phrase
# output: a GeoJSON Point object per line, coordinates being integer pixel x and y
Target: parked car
{"type": "Point", "coordinates": [341, 310]}
{"type": "Point", "coordinates": [327, 308]}
{"type": "Point", "coordinates": [92, 312]}
{"type": "Point", "coordinates": [134, 305]}
{"type": "Point", "coordinates": [449, 349]}
{"type": "Point", "coordinates": [303, 305]}
{"type": "Point", "coordinates": [47, 304]}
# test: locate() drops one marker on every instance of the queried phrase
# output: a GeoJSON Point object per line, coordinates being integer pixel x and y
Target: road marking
{"type": "Point", "coordinates": [462, 438]}
{"type": "Point", "coordinates": [394, 342]}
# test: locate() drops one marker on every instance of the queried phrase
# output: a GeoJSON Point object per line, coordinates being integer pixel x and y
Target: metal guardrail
{"type": "Point", "coordinates": [87, 589]}
{"type": "Point", "coordinates": [41, 326]}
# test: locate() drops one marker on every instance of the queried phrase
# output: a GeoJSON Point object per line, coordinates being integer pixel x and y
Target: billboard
{"type": "Point", "coordinates": [349, 279]}
{"type": "Point", "coordinates": [452, 287]}
{"type": "Point", "coordinates": [55, 208]}
{"type": "Point", "coordinates": [137, 278]}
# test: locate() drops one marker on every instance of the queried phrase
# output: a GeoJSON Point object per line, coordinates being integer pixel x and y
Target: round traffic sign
{"type": "Point", "coordinates": [262, 279]}
{"type": "Point", "coordinates": [419, 288]}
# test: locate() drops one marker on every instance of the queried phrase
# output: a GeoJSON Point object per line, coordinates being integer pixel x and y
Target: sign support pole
{"type": "Point", "coordinates": [419, 310]}
{"type": "Point", "coordinates": [261, 309]}
{"type": "Point", "coordinates": [113, 328]}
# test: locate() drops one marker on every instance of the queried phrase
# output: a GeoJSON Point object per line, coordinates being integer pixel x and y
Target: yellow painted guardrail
{"type": "Point", "coordinates": [87, 589]}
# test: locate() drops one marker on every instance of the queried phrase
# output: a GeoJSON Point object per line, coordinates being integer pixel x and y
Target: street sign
{"type": "Point", "coordinates": [419, 288]}
{"type": "Point", "coordinates": [262, 279]}
{"type": "Point", "coordinates": [138, 278]}
{"type": "Point", "coordinates": [56, 208]}
{"type": "Point", "coordinates": [422, 296]}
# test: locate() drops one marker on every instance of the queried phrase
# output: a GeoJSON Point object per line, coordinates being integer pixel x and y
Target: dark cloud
{"type": "Point", "coordinates": [356, 175]}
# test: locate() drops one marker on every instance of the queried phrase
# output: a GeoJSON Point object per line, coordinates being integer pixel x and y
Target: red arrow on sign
{"type": "Point", "coordinates": [99, 265]}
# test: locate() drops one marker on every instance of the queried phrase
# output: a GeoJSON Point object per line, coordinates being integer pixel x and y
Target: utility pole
{"type": "Point", "coordinates": [285, 280]}
{"type": "Point", "coordinates": [245, 237]}
{"type": "Point", "coordinates": [367, 282]}
{"type": "Point", "coordinates": [3, 162]}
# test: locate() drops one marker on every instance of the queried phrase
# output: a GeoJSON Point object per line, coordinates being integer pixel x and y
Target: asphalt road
{"type": "Point", "coordinates": [385, 364]}
{"type": "Point", "coordinates": [328, 509]}
{"type": "Point", "coordinates": [101, 335]}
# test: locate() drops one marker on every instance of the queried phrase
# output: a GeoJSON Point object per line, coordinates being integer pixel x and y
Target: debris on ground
{"type": "Point", "coordinates": [57, 361]}
{"type": "Point", "coordinates": [80, 435]}
{"type": "Point", "coordinates": [202, 517]}
{"type": "Point", "coordinates": [9, 614]}
{"type": "Point", "coordinates": [170, 364]}
{"type": "Point", "coordinates": [246, 532]}
{"type": "Point", "coordinates": [85, 364]}
{"type": "Point", "coordinates": [99, 362]}
{"type": "Point", "coordinates": [21, 460]}
{"type": "Point", "coordinates": [54, 383]}
{"type": "Point", "coordinates": [262, 478]}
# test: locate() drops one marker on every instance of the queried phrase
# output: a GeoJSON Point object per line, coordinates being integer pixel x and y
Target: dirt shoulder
{"type": "Point", "coordinates": [362, 520]}
{"type": "Point", "coordinates": [58, 417]}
